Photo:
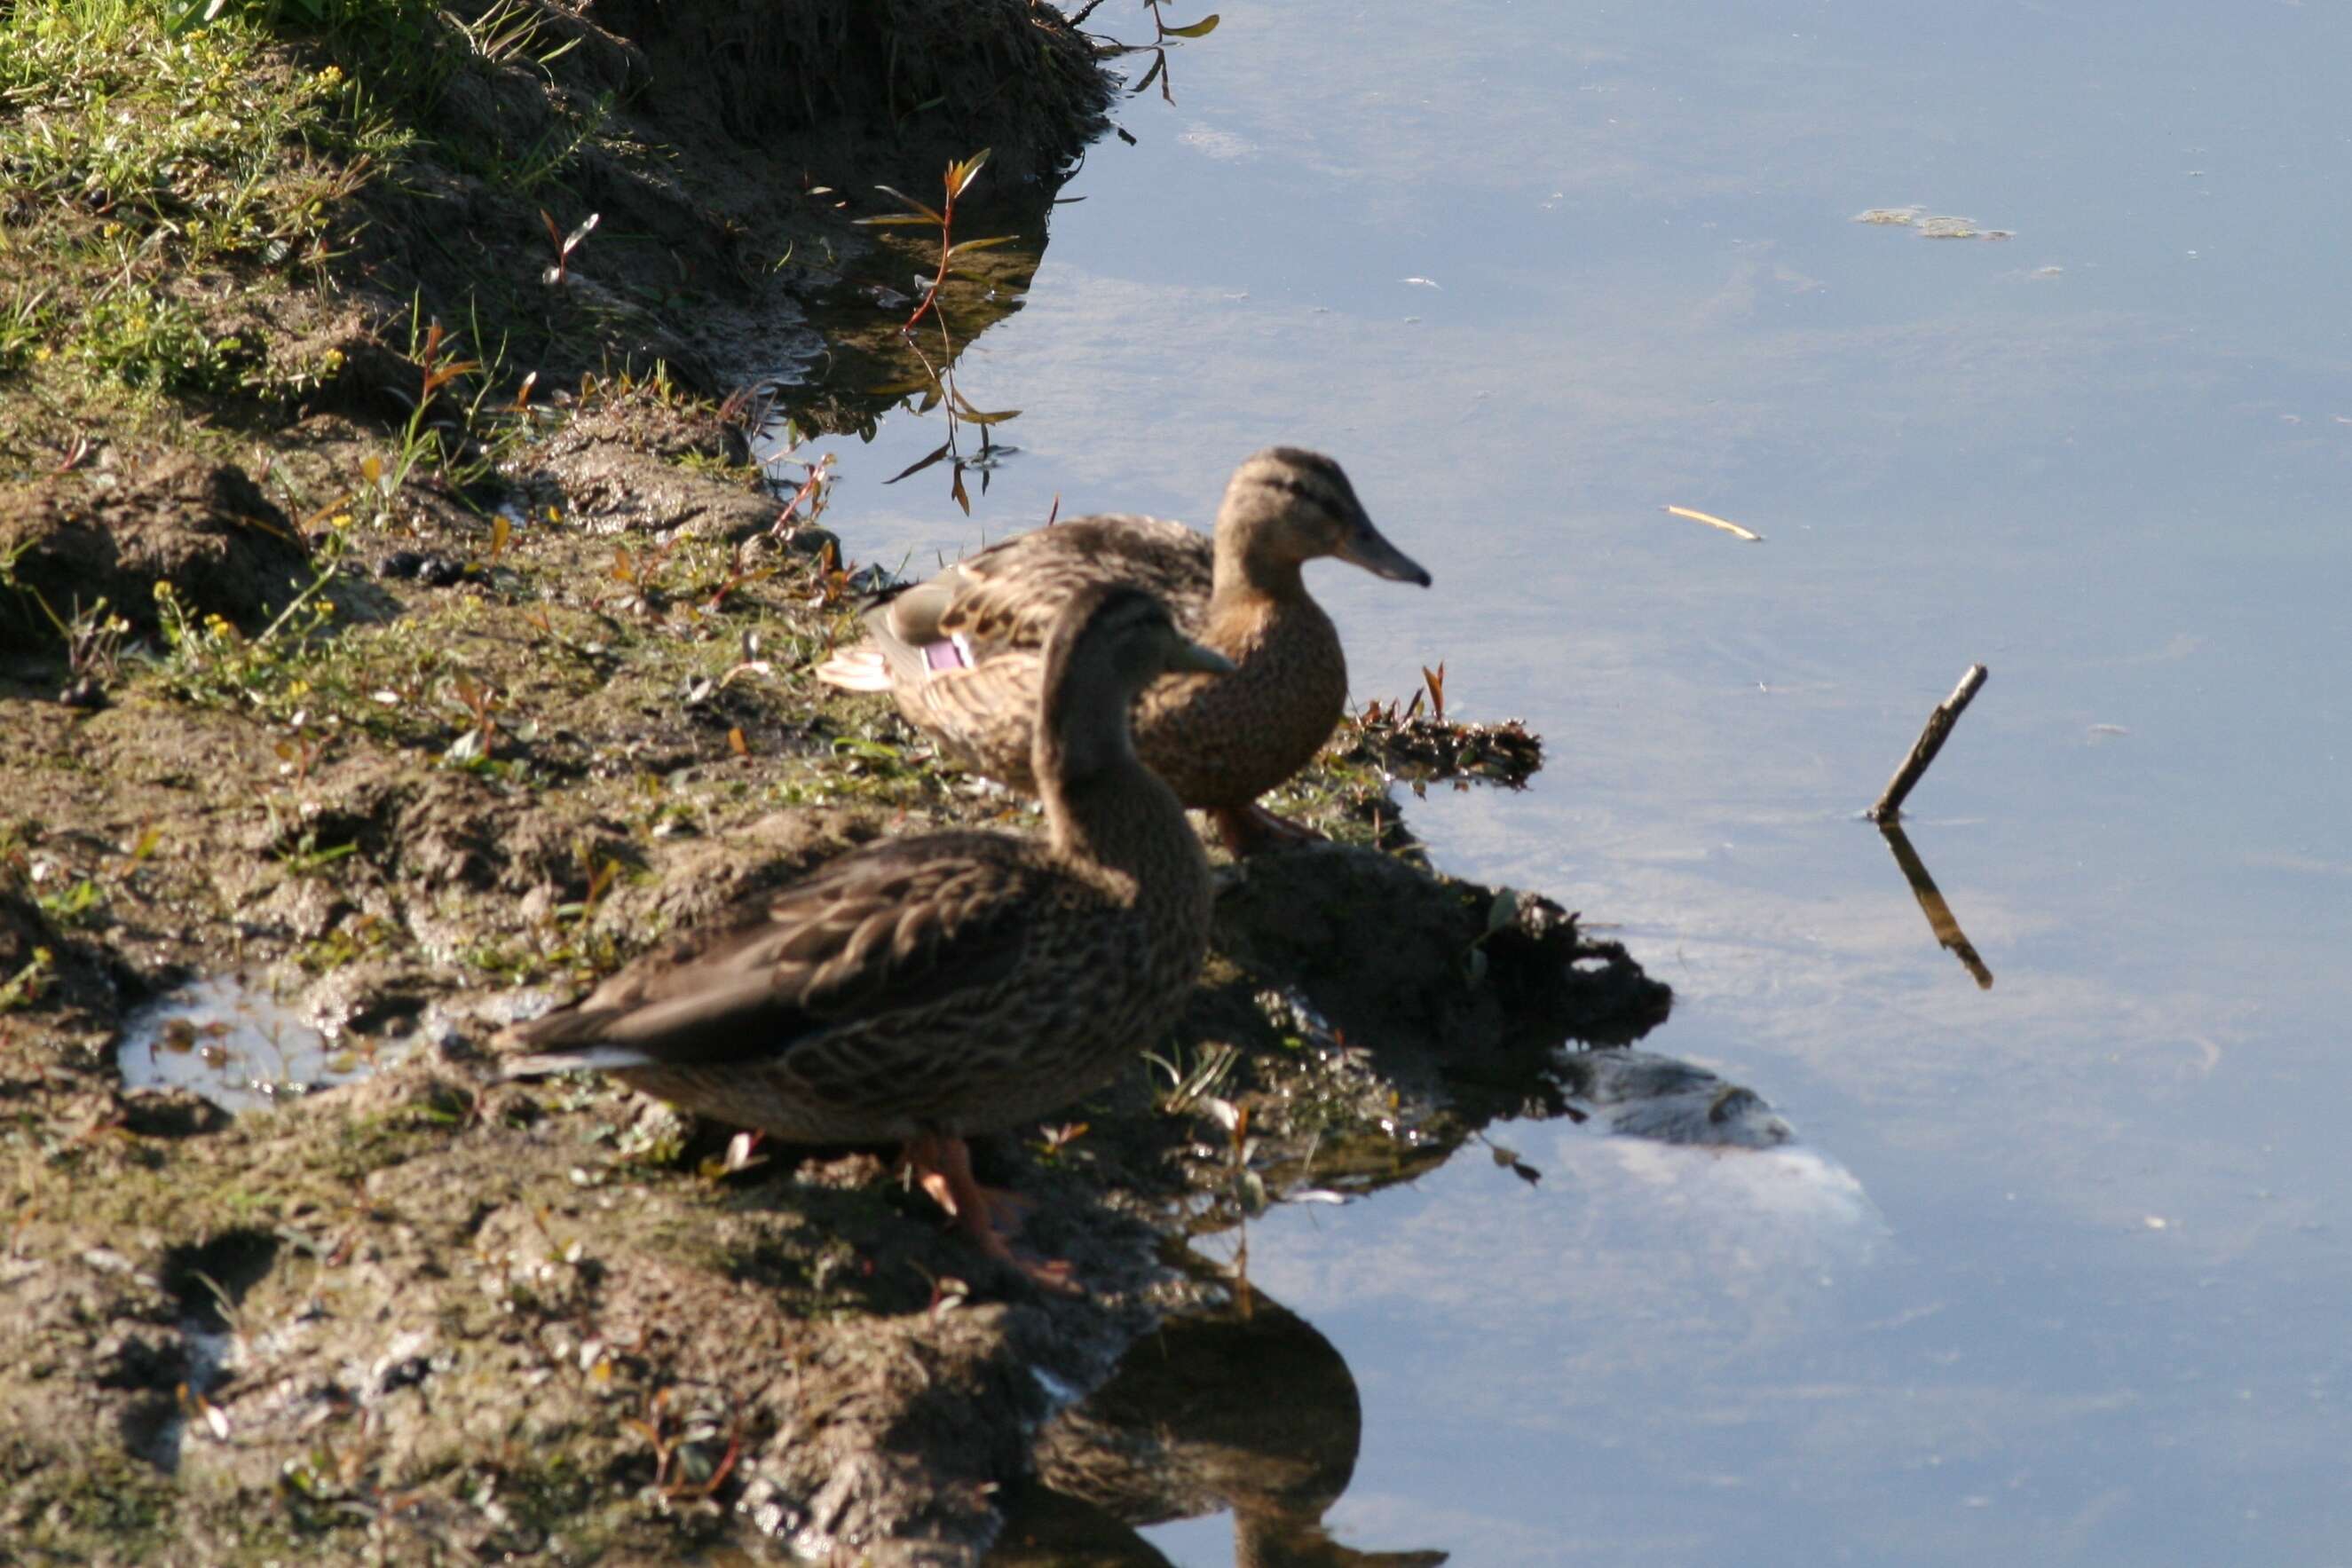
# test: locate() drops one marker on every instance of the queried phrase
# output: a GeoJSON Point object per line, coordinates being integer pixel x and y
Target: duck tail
{"type": "Point", "coordinates": [859, 669]}
{"type": "Point", "coordinates": [588, 1059]}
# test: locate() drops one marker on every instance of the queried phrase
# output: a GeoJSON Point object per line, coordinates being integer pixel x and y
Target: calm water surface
{"type": "Point", "coordinates": [2062, 1273]}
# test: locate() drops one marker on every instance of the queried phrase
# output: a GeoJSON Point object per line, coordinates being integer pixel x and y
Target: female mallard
{"type": "Point", "coordinates": [962, 651]}
{"type": "Point", "coordinates": [929, 987]}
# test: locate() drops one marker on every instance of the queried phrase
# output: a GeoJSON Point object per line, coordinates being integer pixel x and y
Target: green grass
{"type": "Point", "coordinates": [156, 188]}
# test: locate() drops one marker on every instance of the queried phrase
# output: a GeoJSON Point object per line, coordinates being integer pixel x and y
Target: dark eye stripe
{"type": "Point", "coordinates": [1306, 485]}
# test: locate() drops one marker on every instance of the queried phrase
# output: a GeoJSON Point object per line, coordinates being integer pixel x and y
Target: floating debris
{"type": "Point", "coordinates": [1942, 227]}
{"type": "Point", "coordinates": [1421, 747]}
{"type": "Point", "coordinates": [228, 1038]}
{"type": "Point", "coordinates": [1712, 521]}
{"type": "Point", "coordinates": [1959, 228]}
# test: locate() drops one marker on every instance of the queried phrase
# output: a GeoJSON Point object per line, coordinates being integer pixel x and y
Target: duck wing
{"type": "Point", "coordinates": [885, 937]}
{"type": "Point", "coordinates": [1009, 595]}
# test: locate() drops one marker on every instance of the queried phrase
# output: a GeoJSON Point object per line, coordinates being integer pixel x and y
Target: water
{"type": "Point", "coordinates": [231, 1040]}
{"type": "Point", "coordinates": [2064, 1281]}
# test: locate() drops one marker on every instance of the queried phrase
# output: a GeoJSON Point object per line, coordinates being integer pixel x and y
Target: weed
{"type": "Point", "coordinates": [209, 660]}
{"type": "Point", "coordinates": [307, 857]}
{"type": "Point", "coordinates": [81, 902]}
{"type": "Point", "coordinates": [1191, 1081]}
{"type": "Point", "coordinates": [30, 984]}
{"type": "Point", "coordinates": [934, 383]}
{"type": "Point", "coordinates": [558, 275]}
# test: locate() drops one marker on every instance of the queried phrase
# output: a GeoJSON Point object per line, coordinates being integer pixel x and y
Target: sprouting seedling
{"type": "Point", "coordinates": [438, 374]}
{"type": "Point", "coordinates": [1435, 679]}
{"type": "Point", "coordinates": [959, 175]}
{"type": "Point", "coordinates": [832, 580]}
{"type": "Point", "coordinates": [1054, 1142]}
{"type": "Point", "coordinates": [556, 276]}
{"type": "Point", "coordinates": [479, 701]}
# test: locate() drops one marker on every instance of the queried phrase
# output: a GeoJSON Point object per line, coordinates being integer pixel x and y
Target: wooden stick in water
{"type": "Point", "coordinates": [1725, 524]}
{"type": "Point", "coordinates": [1948, 931]}
{"type": "Point", "coordinates": [1923, 751]}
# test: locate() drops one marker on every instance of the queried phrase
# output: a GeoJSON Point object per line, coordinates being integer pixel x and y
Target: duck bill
{"type": "Point", "coordinates": [1364, 547]}
{"type": "Point", "coordinates": [1190, 655]}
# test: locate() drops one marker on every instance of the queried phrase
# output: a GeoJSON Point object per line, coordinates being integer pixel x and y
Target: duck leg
{"type": "Point", "coordinates": [942, 1164]}
{"type": "Point", "coordinates": [1252, 830]}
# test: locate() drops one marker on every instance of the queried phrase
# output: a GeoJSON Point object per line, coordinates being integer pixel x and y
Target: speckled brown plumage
{"type": "Point", "coordinates": [1219, 740]}
{"type": "Point", "coordinates": [933, 987]}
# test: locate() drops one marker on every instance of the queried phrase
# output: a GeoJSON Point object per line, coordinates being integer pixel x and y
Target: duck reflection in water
{"type": "Point", "coordinates": [1247, 1409]}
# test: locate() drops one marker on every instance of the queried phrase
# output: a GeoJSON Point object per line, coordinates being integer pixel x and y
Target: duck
{"type": "Point", "coordinates": [924, 989]}
{"type": "Point", "coordinates": [962, 652]}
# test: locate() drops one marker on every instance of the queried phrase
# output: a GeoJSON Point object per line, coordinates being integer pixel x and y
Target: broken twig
{"type": "Point", "coordinates": [1712, 521]}
{"type": "Point", "coordinates": [1923, 751]}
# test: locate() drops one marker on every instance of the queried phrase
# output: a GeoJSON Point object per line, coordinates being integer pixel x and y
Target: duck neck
{"type": "Point", "coordinates": [1249, 574]}
{"type": "Point", "coordinates": [1102, 804]}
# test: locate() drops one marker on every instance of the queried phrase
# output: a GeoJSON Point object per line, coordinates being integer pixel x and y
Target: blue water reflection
{"type": "Point", "coordinates": [2082, 1300]}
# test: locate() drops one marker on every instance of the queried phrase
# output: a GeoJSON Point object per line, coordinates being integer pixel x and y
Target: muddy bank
{"type": "Point", "coordinates": [407, 637]}
{"type": "Point", "coordinates": [433, 1311]}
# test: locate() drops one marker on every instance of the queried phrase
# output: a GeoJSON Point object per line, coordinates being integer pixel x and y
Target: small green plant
{"type": "Point", "coordinates": [1191, 1081]}
{"type": "Point", "coordinates": [80, 903]}
{"type": "Point", "coordinates": [557, 276]}
{"type": "Point", "coordinates": [307, 857]}
{"type": "Point", "coordinates": [30, 984]}
{"type": "Point", "coordinates": [959, 175]}
{"type": "Point", "coordinates": [207, 659]}
{"type": "Point", "coordinates": [934, 384]}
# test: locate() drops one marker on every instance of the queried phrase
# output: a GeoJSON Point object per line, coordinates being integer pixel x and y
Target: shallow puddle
{"type": "Point", "coordinates": [230, 1040]}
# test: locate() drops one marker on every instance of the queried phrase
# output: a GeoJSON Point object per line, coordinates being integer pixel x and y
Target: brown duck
{"type": "Point", "coordinates": [962, 651]}
{"type": "Point", "coordinates": [929, 987]}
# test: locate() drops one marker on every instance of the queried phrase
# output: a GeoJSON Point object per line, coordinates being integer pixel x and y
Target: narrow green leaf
{"type": "Point", "coordinates": [906, 220]}
{"type": "Point", "coordinates": [917, 467]}
{"type": "Point", "coordinates": [1200, 29]}
{"type": "Point", "coordinates": [989, 244]}
{"type": "Point", "coordinates": [964, 410]}
{"type": "Point", "coordinates": [910, 202]}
